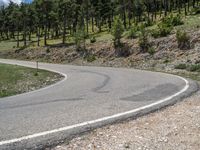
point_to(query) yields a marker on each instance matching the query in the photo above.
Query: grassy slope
(191, 22)
(16, 79)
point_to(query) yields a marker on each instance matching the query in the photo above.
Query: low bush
(90, 58)
(183, 40)
(123, 50)
(165, 27)
(181, 66)
(144, 41)
(117, 31)
(191, 68)
(93, 39)
(151, 51)
(47, 50)
(172, 20)
(194, 68)
(155, 33)
(162, 30)
(148, 23)
(166, 61)
(195, 11)
(132, 33)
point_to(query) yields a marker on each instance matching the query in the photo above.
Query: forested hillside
(79, 19)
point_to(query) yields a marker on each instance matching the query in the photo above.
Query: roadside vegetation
(66, 22)
(141, 33)
(16, 79)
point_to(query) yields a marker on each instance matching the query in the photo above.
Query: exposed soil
(166, 56)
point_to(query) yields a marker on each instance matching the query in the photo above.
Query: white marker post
(37, 66)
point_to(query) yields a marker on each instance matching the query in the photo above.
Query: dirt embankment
(166, 54)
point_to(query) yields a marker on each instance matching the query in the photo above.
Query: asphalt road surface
(33, 119)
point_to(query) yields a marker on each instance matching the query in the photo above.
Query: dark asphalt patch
(154, 93)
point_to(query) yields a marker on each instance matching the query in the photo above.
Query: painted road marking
(97, 120)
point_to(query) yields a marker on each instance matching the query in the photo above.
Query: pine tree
(117, 31)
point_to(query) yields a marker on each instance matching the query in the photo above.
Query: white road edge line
(97, 120)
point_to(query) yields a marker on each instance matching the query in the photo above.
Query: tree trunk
(18, 38)
(64, 29)
(38, 36)
(92, 24)
(25, 37)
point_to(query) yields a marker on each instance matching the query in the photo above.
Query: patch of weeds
(162, 30)
(165, 27)
(166, 61)
(195, 11)
(183, 40)
(132, 33)
(36, 74)
(144, 41)
(93, 39)
(90, 58)
(181, 66)
(190, 68)
(151, 51)
(122, 50)
(149, 22)
(194, 68)
(4, 93)
(172, 20)
(48, 50)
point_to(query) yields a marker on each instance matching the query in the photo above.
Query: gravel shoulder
(176, 127)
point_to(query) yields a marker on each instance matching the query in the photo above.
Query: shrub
(164, 29)
(148, 22)
(155, 33)
(90, 58)
(47, 50)
(132, 33)
(172, 20)
(166, 61)
(194, 68)
(151, 51)
(36, 74)
(93, 39)
(176, 20)
(181, 66)
(195, 11)
(144, 41)
(183, 40)
(117, 31)
(123, 50)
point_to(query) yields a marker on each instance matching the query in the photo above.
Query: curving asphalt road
(88, 97)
